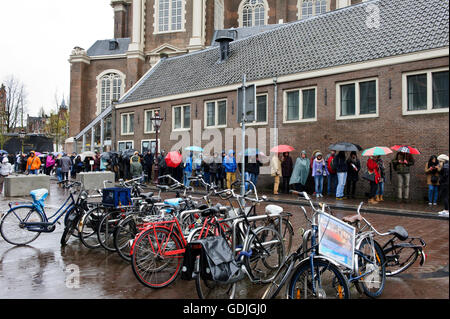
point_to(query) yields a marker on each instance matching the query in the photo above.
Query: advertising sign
(336, 240)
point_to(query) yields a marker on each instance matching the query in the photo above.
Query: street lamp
(22, 135)
(156, 121)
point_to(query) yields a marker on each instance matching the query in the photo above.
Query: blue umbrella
(251, 152)
(3, 152)
(194, 149)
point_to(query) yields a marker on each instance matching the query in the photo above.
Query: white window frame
(219, 14)
(182, 118)
(429, 109)
(121, 123)
(216, 114)
(99, 87)
(146, 112)
(150, 141)
(241, 13)
(254, 123)
(285, 101)
(357, 100)
(300, 8)
(156, 18)
(125, 141)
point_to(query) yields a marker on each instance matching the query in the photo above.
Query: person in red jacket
(332, 177)
(372, 168)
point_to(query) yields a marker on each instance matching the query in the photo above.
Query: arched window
(309, 8)
(219, 14)
(111, 85)
(253, 13)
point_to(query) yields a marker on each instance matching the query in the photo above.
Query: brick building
(146, 30)
(374, 73)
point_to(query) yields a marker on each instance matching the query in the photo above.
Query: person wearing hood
(188, 169)
(135, 166)
(49, 164)
(5, 169)
(319, 170)
(229, 163)
(33, 163)
(300, 172)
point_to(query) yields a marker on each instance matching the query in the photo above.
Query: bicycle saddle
(399, 232)
(210, 211)
(147, 195)
(352, 219)
(274, 209)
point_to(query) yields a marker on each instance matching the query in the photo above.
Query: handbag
(369, 176)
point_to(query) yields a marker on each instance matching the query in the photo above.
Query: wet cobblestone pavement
(45, 270)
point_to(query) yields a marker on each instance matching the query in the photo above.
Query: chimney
(224, 40)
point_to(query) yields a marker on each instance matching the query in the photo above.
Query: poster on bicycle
(336, 240)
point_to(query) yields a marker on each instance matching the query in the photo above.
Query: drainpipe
(275, 107)
(113, 126)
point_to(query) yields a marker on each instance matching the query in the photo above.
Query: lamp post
(22, 135)
(156, 121)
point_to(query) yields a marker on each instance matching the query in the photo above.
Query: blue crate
(116, 197)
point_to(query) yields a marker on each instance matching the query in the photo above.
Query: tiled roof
(336, 38)
(101, 47)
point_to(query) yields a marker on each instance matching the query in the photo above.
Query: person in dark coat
(353, 168)
(340, 164)
(148, 164)
(287, 167)
(253, 169)
(214, 169)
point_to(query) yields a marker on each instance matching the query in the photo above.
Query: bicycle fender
(423, 257)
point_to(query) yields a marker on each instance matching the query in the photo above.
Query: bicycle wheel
(105, 231)
(68, 231)
(157, 257)
(266, 254)
(282, 276)
(208, 289)
(124, 235)
(12, 228)
(89, 226)
(372, 263)
(329, 281)
(400, 257)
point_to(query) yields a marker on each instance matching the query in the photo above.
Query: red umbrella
(282, 149)
(405, 149)
(173, 159)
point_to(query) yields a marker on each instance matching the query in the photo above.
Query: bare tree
(15, 108)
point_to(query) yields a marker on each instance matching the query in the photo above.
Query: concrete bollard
(22, 185)
(94, 180)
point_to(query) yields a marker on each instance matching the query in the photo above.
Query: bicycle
(400, 251)
(259, 251)
(24, 222)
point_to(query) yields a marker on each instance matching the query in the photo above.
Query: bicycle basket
(116, 196)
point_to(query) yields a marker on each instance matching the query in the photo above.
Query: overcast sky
(37, 38)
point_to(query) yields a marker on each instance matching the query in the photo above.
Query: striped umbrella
(377, 150)
(405, 149)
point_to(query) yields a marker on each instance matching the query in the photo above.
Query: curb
(346, 207)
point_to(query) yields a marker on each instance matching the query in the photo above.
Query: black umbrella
(108, 155)
(128, 153)
(344, 146)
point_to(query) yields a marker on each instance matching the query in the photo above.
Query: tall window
(300, 105)
(111, 88)
(309, 8)
(357, 99)
(149, 114)
(169, 15)
(426, 91)
(219, 14)
(253, 13)
(216, 113)
(181, 117)
(127, 124)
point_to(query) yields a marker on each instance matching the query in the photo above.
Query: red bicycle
(157, 252)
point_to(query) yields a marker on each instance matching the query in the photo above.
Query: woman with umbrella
(401, 164)
(373, 170)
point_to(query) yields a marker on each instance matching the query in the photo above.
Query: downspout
(275, 113)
